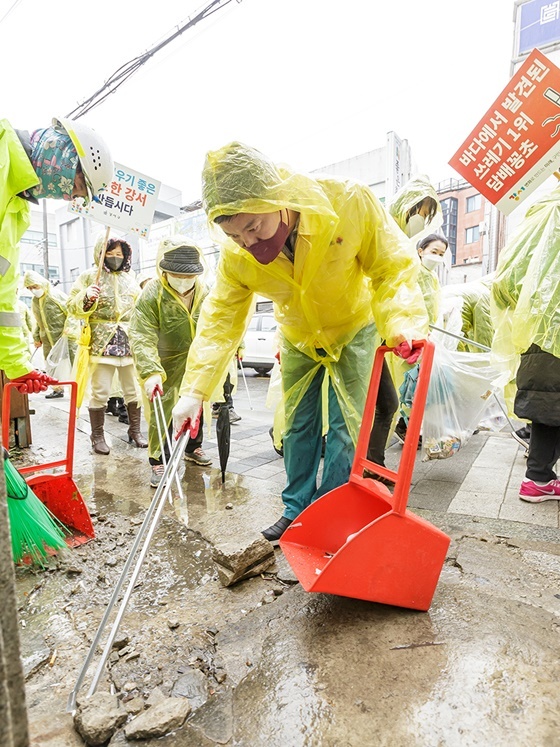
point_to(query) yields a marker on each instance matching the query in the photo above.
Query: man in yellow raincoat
(162, 327)
(308, 244)
(64, 161)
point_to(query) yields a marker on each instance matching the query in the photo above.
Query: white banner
(128, 204)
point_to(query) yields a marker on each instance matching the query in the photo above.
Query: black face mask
(114, 263)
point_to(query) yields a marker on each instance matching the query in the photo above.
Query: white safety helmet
(95, 157)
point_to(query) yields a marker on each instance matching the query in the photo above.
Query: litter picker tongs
(162, 436)
(147, 528)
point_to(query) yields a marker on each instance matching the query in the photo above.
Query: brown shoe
(97, 420)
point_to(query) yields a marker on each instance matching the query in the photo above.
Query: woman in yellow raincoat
(417, 212)
(108, 306)
(525, 306)
(431, 250)
(162, 327)
(308, 244)
(50, 312)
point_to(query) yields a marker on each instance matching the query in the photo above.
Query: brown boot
(97, 419)
(134, 434)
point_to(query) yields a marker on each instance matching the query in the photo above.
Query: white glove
(186, 415)
(152, 385)
(93, 292)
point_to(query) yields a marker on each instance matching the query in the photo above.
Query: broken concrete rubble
(237, 561)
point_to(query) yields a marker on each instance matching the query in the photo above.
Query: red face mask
(266, 250)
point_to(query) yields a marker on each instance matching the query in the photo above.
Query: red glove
(33, 382)
(409, 353)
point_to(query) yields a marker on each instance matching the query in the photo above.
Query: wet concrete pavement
(280, 666)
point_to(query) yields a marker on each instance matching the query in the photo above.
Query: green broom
(33, 527)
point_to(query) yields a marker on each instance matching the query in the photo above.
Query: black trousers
(192, 444)
(544, 452)
(385, 409)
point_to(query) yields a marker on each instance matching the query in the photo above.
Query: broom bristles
(33, 528)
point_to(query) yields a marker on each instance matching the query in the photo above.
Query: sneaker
(54, 395)
(233, 416)
(273, 533)
(198, 457)
(525, 433)
(537, 492)
(521, 439)
(400, 430)
(157, 474)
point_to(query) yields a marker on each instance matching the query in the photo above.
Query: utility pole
(45, 240)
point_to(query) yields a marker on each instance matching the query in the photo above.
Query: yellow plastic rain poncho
(113, 309)
(406, 201)
(16, 176)
(431, 291)
(50, 313)
(26, 321)
(160, 334)
(322, 301)
(525, 302)
(475, 311)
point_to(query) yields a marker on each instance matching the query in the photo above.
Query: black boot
(123, 412)
(112, 406)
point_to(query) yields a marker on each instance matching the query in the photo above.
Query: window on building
(449, 208)
(36, 237)
(472, 234)
(75, 273)
(40, 269)
(474, 203)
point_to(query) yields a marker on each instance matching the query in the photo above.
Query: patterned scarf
(55, 161)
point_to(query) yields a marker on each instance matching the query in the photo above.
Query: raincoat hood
(55, 160)
(240, 179)
(126, 250)
(413, 192)
(33, 278)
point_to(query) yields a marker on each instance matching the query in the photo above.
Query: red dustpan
(360, 541)
(57, 491)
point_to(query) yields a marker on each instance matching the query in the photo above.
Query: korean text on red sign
(515, 146)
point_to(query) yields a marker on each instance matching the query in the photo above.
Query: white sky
(308, 82)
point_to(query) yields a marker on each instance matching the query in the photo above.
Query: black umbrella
(223, 430)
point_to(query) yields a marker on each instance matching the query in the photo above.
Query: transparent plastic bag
(461, 386)
(58, 363)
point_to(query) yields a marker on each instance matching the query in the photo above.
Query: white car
(260, 344)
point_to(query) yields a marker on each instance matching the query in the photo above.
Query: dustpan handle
(406, 466)
(67, 463)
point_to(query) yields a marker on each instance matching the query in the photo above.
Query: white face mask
(431, 261)
(181, 285)
(415, 224)
(38, 292)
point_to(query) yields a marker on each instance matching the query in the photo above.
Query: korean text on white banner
(128, 204)
(515, 146)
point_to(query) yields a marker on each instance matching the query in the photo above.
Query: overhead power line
(124, 72)
(13, 6)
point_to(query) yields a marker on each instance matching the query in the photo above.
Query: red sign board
(516, 145)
